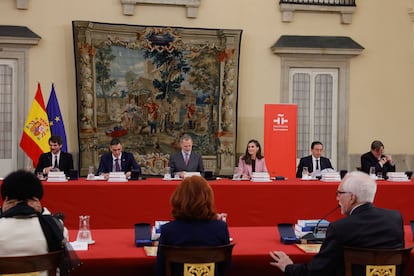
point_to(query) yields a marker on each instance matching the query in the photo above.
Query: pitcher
(84, 234)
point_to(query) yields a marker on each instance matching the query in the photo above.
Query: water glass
(305, 172)
(236, 173)
(40, 175)
(167, 173)
(91, 170)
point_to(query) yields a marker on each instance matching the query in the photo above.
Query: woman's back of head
(193, 200)
(21, 185)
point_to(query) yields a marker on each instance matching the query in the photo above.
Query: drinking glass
(167, 173)
(380, 175)
(372, 171)
(91, 173)
(91, 170)
(236, 173)
(40, 175)
(305, 172)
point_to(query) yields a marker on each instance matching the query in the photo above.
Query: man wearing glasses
(364, 226)
(375, 158)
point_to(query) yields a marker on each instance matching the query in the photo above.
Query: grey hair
(361, 185)
(185, 137)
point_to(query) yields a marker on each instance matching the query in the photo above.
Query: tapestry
(149, 85)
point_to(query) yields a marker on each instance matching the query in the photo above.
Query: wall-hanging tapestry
(148, 85)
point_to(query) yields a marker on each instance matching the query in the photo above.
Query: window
(8, 115)
(14, 55)
(315, 91)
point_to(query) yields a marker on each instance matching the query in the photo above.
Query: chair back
(23, 264)
(198, 260)
(377, 262)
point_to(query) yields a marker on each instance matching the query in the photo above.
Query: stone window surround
(318, 58)
(17, 48)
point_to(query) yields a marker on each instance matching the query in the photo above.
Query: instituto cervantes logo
(280, 123)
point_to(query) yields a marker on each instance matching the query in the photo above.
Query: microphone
(313, 237)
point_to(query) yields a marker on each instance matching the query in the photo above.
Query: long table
(114, 253)
(120, 205)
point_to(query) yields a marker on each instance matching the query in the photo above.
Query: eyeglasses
(341, 192)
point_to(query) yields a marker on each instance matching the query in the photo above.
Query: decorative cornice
(191, 5)
(22, 4)
(288, 10)
(18, 35)
(411, 14)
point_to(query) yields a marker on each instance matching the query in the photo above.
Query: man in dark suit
(186, 160)
(314, 162)
(365, 226)
(56, 159)
(117, 160)
(375, 158)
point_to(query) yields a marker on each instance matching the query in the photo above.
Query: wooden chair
(378, 262)
(23, 264)
(198, 260)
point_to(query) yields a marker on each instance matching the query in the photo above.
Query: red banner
(280, 139)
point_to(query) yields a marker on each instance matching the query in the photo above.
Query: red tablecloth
(115, 253)
(120, 205)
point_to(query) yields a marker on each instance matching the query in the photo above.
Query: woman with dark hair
(196, 221)
(27, 228)
(252, 161)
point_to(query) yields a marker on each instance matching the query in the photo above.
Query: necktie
(117, 167)
(317, 164)
(186, 159)
(56, 162)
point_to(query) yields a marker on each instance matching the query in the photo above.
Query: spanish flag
(36, 130)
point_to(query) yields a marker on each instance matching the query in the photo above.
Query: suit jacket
(191, 233)
(324, 163)
(195, 163)
(128, 163)
(368, 160)
(65, 162)
(367, 226)
(246, 169)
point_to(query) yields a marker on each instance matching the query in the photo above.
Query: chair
(198, 260)
(378, 262)
(24, 264)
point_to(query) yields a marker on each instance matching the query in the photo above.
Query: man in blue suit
(314, 162)
(118, 160)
